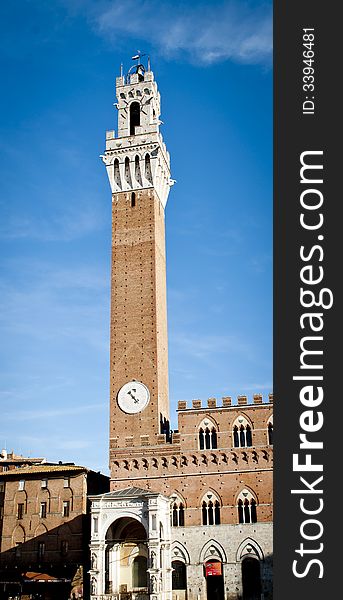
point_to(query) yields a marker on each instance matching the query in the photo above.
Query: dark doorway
(215, 582)
(251, 579)
(179, 578)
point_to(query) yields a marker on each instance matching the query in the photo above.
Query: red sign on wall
(213, 568)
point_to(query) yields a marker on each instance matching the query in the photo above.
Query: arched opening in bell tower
(126, 557)
(135, 117)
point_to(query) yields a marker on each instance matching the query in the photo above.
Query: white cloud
(203, 34)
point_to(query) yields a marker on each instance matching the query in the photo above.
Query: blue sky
(59, 60)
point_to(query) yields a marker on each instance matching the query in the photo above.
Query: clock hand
(133, 397)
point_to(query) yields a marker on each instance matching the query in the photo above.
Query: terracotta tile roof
(44, 469)
(21, 459)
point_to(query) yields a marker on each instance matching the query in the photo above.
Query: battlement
(226, 402)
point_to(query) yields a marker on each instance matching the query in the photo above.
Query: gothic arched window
(242, 433)
(246, 507)
(210, 509)
(135, 117)
(178, 513)
(207, 436)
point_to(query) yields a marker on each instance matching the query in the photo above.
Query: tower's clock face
(133, 397)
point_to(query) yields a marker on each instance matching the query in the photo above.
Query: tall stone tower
(189, 515)
(137, 164)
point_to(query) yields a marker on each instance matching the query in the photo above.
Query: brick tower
(137, 164)
(189, 514)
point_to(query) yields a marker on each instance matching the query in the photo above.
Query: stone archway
(126, 557)
(130, 545)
